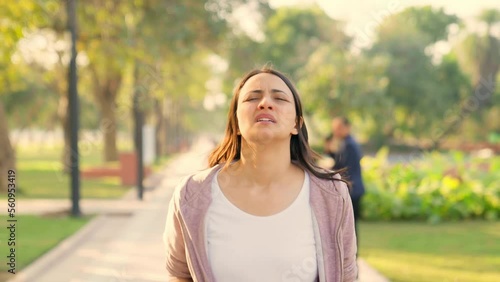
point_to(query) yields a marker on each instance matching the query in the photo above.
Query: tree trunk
(169, 119)
(106, 88)
(7, 154)
(105, 92)
(485, 84)
(179, 136)
(161, 128)
(173, 128)
(108, 127)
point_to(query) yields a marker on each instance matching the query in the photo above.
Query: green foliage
(337, 84)
(291, 36)
(14, 25)
(479, 55)
(23, 107)
(396, 90)
(431, 21)
(15, 21)
(435, 187)
(490, 16)
(415, 81)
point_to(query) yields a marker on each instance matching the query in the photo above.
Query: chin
(267, 138)
(262, 139)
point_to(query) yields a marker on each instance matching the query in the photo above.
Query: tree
(102, 36)
(188, 32)
(146, 33)
(414, 80)
(47, 83)
(480, 56)
(291, 35)
(12, 25)
(341, 84)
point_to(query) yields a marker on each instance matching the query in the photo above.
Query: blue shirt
(349, 157)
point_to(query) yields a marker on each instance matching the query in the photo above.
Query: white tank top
(247, 248)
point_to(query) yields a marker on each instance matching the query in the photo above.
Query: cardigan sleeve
(176, 261)
(349, 242)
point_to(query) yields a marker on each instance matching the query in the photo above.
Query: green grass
(458, 251)
(39, 175)
(35, 236)
(161, 162)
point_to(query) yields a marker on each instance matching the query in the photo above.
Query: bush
(435, 187)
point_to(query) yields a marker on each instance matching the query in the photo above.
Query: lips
(265, 118)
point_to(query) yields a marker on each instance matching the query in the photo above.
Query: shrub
(434, 187)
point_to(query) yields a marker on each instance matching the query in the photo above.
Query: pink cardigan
(333, 222)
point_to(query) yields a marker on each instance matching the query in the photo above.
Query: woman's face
(266, 109)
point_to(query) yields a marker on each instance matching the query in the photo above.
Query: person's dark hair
(301, 153)
(345, 121)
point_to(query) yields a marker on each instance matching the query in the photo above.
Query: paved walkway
(123, 243)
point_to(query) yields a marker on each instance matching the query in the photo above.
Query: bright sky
(360, 11)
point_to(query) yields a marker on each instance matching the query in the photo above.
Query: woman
(263, 211)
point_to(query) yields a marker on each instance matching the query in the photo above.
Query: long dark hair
(300, 151)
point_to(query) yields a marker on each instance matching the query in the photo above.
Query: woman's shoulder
(192, 184)
(335, 185)
(340, 186)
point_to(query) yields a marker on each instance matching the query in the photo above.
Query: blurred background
(417, 79)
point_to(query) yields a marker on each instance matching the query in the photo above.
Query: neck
(264, 164)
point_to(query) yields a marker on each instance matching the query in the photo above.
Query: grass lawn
(409, 251)
(35, 236)
(160, 162)
(39, 174)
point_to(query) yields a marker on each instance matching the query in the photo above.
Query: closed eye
(281, 98)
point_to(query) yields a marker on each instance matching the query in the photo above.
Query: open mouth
(265, 120)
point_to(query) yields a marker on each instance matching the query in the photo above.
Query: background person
(346, 152)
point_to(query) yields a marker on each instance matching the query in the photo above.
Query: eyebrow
(261, 91)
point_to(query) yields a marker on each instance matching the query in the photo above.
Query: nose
(265, 103)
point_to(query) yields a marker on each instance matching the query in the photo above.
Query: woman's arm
(349, 241)
(176, 261)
